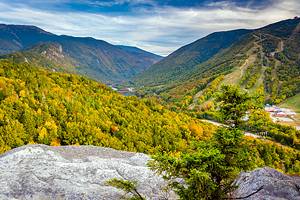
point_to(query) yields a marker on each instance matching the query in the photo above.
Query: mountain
(18, 37)
(147, 56)
(54, 108)
(48, 55)
(267, 57)
(40, 106)
(95, 58)
(184, 59)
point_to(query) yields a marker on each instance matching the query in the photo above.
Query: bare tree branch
(259, 189)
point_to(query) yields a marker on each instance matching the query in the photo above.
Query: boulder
(269, 185)
(75, 172)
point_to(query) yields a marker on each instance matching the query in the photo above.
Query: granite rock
(275, 185)
(75, 172)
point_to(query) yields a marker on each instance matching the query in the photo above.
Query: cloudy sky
(159, 26)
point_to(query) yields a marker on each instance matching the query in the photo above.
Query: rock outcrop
(81, 172)
(270, 184)
(73, 172)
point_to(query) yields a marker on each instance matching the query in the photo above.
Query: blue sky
(157, 26)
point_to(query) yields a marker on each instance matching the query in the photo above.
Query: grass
(234, 78)
(293, 103)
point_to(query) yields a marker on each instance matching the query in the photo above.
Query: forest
(38, 106)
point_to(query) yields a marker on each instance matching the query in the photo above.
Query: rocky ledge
(73, 172)
(81, 172)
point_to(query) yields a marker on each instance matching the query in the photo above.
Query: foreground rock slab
(73, 172)
(81, 172)
(273, 184)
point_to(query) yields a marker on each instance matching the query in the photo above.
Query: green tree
(209, 170)
(233, 103)
(126, 186)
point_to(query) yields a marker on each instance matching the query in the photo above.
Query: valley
(84, 118)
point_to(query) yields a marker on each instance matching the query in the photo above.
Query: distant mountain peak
(96, 58)
(266, 57)
(25, 27)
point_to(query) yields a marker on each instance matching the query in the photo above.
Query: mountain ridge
(97, 58)
(270, 56)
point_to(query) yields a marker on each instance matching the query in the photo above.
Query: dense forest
(55, 108)
(38, 106)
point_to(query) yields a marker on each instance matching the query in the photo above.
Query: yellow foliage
(22, 84)
(4, 148)
(55, 142)
(182, 144)
(43, 133)
(31, 142)
(1, 114)
(197, 131)
(114, 128)
(22, 93)
(176, 154)
(68, 96)
(2, 84)
(51, 125)
(12, 98)
(57, 90)
(39, 111)
(83, 111)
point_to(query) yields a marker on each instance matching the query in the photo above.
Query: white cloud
(161, 30)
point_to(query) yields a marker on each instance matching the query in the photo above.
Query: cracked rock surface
(276, 186)
(74, 172)
(81, 172)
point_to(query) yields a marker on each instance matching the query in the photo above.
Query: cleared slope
(183, 60)
(266, 57)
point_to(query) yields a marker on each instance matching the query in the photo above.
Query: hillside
(293, 103)
(183, 60)
(148, 56)
(267, 57)
(38, 106)
(48, 55)
(95, 58)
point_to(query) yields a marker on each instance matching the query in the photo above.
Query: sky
(158, 26)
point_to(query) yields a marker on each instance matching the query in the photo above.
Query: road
(224, 125)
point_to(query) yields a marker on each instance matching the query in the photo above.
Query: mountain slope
(267, 57)
(18, 37)
(186, 58)
(38, 106)
(147, 56)
(48, 55)
(95, 58)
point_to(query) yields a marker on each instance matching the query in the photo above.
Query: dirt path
(280, 46)
(224, 125)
